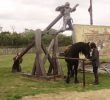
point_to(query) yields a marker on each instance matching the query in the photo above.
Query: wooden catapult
(38, 67)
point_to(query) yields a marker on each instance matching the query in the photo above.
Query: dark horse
(73, 51)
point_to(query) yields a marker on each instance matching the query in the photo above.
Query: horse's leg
(75, 69)
(68, 73)
(72, 71)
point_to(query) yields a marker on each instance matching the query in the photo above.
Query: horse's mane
(75, 49)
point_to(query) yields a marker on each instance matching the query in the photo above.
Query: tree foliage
(8, 39)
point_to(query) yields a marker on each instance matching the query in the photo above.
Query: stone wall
(98, 34)
(82, 30)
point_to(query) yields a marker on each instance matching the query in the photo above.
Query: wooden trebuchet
(16, 65)
(45, 30)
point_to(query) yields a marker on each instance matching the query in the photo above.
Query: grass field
(14, 86)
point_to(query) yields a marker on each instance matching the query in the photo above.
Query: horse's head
(86, 50)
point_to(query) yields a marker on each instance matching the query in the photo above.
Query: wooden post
(38, 68)
(57, 68)
(73, 35)
(49, 50)
(91, 13)
(60, 70)
(34, 68)
(48, 56)
(83, 73)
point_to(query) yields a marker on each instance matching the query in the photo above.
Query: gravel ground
(89, 95)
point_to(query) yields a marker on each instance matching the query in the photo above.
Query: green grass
(14, 86)
(105, 58)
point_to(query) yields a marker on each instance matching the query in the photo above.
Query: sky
(34, 14)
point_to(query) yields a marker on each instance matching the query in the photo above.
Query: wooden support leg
(40, 71)
(38, 68)
(34, 68)
(57, 68)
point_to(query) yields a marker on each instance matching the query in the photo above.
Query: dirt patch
(90, 95)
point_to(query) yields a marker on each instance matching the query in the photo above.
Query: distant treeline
(8, 39)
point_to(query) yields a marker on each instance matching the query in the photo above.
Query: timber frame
(39, 62)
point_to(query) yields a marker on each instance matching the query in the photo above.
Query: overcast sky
(33, 14)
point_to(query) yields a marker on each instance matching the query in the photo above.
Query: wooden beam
(39, 70)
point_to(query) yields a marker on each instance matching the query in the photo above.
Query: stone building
(90, 33)
(95, 33)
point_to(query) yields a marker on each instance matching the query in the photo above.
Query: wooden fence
(6, 51)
